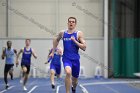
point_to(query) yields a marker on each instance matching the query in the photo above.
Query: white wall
(94, 50)
(2, 19)
(26, 17)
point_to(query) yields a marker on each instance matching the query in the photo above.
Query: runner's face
(27, 42)
(71, 24)
(9, 44)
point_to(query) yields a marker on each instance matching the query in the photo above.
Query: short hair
(73, 18)
(28, 39)
(9, 42)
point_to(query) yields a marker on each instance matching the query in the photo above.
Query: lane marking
(6, 89)
(114, 90)
(58, 87)
(116, 82)
(84, 90)
(32, 89)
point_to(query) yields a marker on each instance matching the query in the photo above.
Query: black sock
(73, 89)
(53, 86)
(11, 77)
(5, 80)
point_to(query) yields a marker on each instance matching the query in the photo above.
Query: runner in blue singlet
(55, 65)
(27, 52)
(72, 41)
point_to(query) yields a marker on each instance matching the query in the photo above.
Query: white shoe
(24, 88)
(7, 85)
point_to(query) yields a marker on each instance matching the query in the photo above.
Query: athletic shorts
(8, 67)
(27, 66)
(74, 64)
(56, 68)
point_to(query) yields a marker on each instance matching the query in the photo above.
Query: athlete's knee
(68, 71)
(52, 72)
(24, 69)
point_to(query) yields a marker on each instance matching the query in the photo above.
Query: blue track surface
(43, 85)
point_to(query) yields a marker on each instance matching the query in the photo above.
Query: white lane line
(116, 82)
(32, 89)
(114, 90)
(84, 90)
(58, 87)
(6, 89)
(32, 83)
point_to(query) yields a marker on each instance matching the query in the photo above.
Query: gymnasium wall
(2, 19)
(37, 18)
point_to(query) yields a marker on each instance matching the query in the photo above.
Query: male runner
(8, 53)
(72, 41)
(27, 52)
(55, 65)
